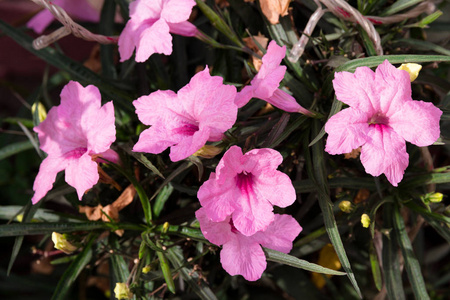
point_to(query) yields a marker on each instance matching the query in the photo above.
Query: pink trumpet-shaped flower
(150, 25)
(81, 10)
(265, 84)
(74, 135)
(246, 186)
(241, 254)
(201, 111)
(381, 117)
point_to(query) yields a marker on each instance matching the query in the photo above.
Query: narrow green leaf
(430, 19)
(165, 268)
(421, 180)
(287, 131)
(336, 107)
(411, 263)
(375, 266)
(13, 149)
(47, 228)
(143, 160)
(119, 267)
(391, 264)
(7, 212)
(192, 278)
(283, 258)
(161, 199)
(399, 6)
(320, 175)
(423, 45)
(172, 175)
(28, 214)
(106, 27)
(368, 43)
(72, 272)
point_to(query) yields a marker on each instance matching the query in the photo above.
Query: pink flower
(81, 10)
(265, 84)
(150, 26)
(201, 111)
(241, 254)
(381, 116)
(73, 135)
(245, 187)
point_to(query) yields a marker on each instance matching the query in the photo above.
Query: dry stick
(70, 27)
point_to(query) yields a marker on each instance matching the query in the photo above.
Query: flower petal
(243, 256)
(176, 11)
(188, 145)
(41, 21)
(230, 165)
(285, 102)
(126, 40)
(347, 130)
(154, 140)
(183, 28)
(156, 107)
(46, 176)
(82, 174)
(417, 122)
(218, 200)
(276, 187)
(152, 38)
(99, 128)
(384, 152)
(217, 233)
(280, 234)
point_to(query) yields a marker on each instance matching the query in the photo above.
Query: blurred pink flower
(74, 134)
(201, 111)
(150, 25)
(265, 84)
(81, 10)
(241, 254)
(245, 187)
(381, 116)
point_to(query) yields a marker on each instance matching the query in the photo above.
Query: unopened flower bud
(365, 220)
(165, 227)
(122, 291)
(42, 113)
(146, 269)
(412, 69)
(61, 243)
(346, 206)
(436, 197)
(208, 151)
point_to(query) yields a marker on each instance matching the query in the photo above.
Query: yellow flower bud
(42, 113)
(436, 197)
(19, 218)
(165, 227)
(122, 291)
(412, 69)
(346, 206)
(146, 269)
(61, 243)
(208, 151)
(365, 220)
(328, 259)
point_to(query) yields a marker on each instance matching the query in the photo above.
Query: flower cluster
(237, 210)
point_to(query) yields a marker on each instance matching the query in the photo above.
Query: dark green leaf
(13, 149)
(47, 228)
(161, 199)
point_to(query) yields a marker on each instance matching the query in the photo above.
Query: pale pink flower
(381, 116)
(201, 111)
(246, 186)
(80, 10)
(265, 84)
(241, 254)
(74, 134)
(150, 25)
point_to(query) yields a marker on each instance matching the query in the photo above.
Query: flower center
(76, 153)
(244, 182)
(378, 119)
(186, 129)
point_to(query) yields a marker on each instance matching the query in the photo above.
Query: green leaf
(13, 149)
(106, 27)
(375, 266)
(411, 263)
(192, 278)
(161, 199)
(399, 6)
(47, 228)
(72, 272)
(422, 45)
(7, 212)
(283, 258)
(319, 174)
(165, 268)
(286, 132)
(119, 267)
(391, 264)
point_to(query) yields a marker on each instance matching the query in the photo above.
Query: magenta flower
(201, 111)
(81, 10)
(241, 254)
(381, 117)
(265, 84)
(245, 187)
(150, 25)
(74, 135)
